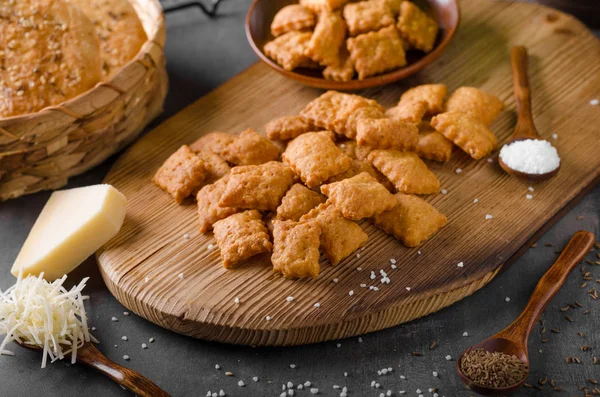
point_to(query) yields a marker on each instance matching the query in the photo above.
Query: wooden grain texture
(141, 265)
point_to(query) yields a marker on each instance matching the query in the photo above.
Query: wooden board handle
(519, 62)
(579, 245)
(133, 381)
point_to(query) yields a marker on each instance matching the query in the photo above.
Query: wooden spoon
(513, 339)
(89, 355)
(525, 128)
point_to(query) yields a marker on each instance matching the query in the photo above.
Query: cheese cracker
(338, 112)
(180, 174)
(315, 158)
(359, 166)
(359, 197)
(209, 210)
(215, 142)
(250, 148)
(327, 39)
(432, 94)
(387, 134)
(296, 249)
(214, 166)
(433, 145)
(258, 187)
(377, 52)
(406, 171)
(476, 103)
(469, 134)
(297, 202)
(367, 16)
(317, 6)
(343, 71)
(412, 220)
(287, 127)
(288, 49)
(293, 17)
(240, 237)
(351, 149)
(417, 27)
(411, 112)
(340, 237)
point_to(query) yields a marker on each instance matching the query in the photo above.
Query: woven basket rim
(158, 39)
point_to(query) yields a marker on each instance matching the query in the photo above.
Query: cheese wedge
(72, 226)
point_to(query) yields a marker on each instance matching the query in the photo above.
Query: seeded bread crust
(49, 53)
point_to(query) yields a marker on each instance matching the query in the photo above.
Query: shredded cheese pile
(38, 313)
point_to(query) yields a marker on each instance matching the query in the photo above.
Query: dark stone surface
(202, 53)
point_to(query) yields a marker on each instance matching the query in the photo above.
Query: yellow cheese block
(72, 226)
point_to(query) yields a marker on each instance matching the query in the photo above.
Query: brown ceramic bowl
(258, 32)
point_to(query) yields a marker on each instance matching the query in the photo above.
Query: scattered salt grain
(146, 279)
(93, 328)
(360, 339)
(529, 197)
(359, 269)
(475, 200)
(363, 286)
(345, 375)
(408, 288)
(531, 156)
(448, 357)
(290, 392)
(144, 346)
(373, 276)
(126, 313)
(114, 319)
(402, 392)
(268, 318)
(180, 276)
(236, 300)
(530, 188)
(458, 170)
(444, 191)
(317, 305)
(490, 160)
(292, 366)
(126, 357)
(554, 136)
(210, 247)
(255, 378)
(357, 255)
(314, 390)
(394, 267)
(335, 280)
(351, 293)
(300, 387)
(419, 252)
(419, 391)
(307, 383)
(186, 236)
(289, 298)
(489, 216)
(507, 299)
(241, 383)
(221, 393)
(124, 337)
(594, 102)
(460, 264)
(465, 333)
(151, 340)
(402, 377)
(336, 387)
(393, 261)
(339, 345)
(290, 385)
(217, 366)
(435, 374)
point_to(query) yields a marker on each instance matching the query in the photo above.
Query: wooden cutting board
(141, 266)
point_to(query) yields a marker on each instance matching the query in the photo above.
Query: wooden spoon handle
(138, 384)
(525, 127)
(579, 245)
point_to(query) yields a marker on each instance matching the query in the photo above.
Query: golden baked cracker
(476, 103)
(351, 149)
(367, 16)
(359, 166)
(433, 145)
(370, 113)
(315, 158)
(327, 39)
(393, 5)
(359, 197)
(250, 148)
(288, 49)
(297, 202)
(258, 187)
(287, 127)
(340, 237)
(376, 52)
(333, 111)
(412, 220)
(215, 167)
(241, 236)
(292, 17)
(120, 31)
(215, 142)
(417, 27)
(387, 134)
(49, 53)
(406, 171)
(180, 174)
(343, 71)
(411, 112)
(317, 6)
(432, 94)
(469, 134)
(209, 210)
(296, 249)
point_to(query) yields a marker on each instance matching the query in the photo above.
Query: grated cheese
(44, 314)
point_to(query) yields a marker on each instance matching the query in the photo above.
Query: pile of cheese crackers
(343, 159)
(367, 37)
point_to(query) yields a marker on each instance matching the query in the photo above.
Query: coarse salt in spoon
(526, 155)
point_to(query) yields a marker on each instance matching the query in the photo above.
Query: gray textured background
(203, 53)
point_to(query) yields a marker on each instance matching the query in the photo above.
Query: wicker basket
(40, 151)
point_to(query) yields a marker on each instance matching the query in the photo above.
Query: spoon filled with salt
(499, 365)
(526, 155)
